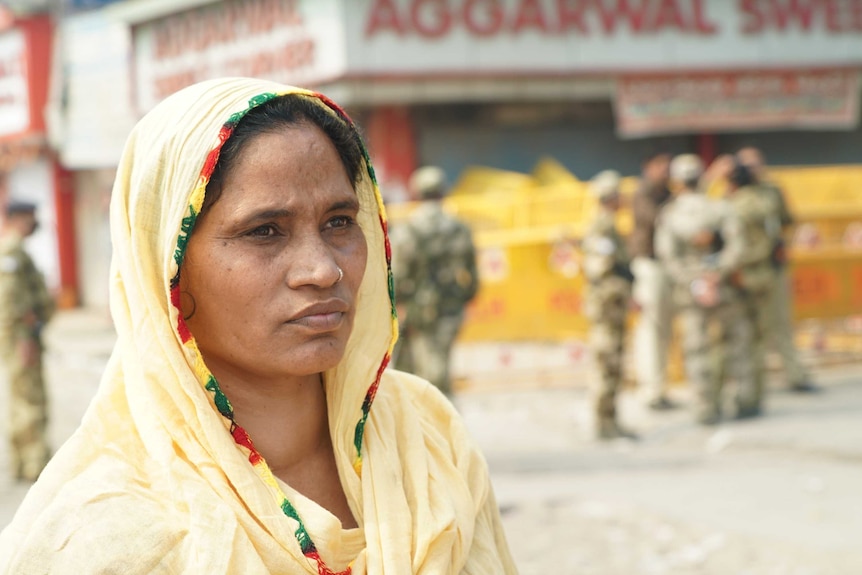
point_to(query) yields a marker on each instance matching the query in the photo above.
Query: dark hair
(15, 207)
(691, 183)
(290, 110)
(654, 154)
(740, 175)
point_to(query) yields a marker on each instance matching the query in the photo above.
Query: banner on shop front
(295, 42)
(648, 105)
(14, 94)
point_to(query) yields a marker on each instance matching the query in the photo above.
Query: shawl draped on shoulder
(159, 479)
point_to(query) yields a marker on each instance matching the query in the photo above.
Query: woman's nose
(312, 262)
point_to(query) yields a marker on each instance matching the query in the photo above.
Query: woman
(234, 431)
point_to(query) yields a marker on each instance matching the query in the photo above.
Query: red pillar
(707, 147)
(392, 143)
(64, 205)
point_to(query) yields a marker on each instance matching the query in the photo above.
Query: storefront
(28, 168)
(503, 83)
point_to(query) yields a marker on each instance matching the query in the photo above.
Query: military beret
(686, 167)
(605, 184)
(428, 182)
(20, 207)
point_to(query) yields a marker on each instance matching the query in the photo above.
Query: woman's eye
(340, 221)
(264, 231)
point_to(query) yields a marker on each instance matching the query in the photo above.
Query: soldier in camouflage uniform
(606, 304)
(779, 324)
(750, 256)
(434, 265)
(697, 242)
(25, 306)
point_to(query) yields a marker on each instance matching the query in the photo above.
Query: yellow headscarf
(159, 479)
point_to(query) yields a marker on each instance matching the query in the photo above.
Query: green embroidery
(186, 228)
(220, 399)
(302, 536)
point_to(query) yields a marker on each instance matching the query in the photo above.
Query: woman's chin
(314, 358)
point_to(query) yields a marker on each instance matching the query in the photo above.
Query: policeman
(434, 266)
(606, 304)
(689, 241)
(25, 307)
(779, 324)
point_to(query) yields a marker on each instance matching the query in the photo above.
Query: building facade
(593, 83)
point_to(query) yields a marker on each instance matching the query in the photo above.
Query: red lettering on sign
(668, 16)
(530, 15)
(610, 17)
(289, 58)
(836, 16)
(384, 16)
(492, 21)
(571, 16)
(856, 16)
(753, 19)
(198, 30)
(483, 18)
(701, 23)
(799, 11)
(439, 22)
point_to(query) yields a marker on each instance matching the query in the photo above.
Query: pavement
(780, 495)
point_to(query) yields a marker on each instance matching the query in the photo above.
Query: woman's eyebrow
(272, 214)
(352, 204)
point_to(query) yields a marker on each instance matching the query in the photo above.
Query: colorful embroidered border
(203, 374)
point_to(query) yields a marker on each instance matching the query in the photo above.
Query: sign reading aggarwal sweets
(437, 18)
(600, 35)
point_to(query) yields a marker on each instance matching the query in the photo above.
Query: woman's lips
(320, 321)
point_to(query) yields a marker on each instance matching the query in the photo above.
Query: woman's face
(262, 264)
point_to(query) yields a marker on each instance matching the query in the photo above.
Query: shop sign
(14, 97)
(647, 105)
(289, 41)
(536, 36)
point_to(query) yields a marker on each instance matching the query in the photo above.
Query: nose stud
(340, 274)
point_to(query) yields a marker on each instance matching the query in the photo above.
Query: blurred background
(520, 102)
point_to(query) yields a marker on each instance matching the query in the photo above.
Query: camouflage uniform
(25, 306)
(779, 324)
(687, 243)
(606, 304)
(750, 255)
(434, 264)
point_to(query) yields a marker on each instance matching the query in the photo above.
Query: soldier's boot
(708, 415)
(608, 427)
(805, 386)
(749, 399)
(709, 401)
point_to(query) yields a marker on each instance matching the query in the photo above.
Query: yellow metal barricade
(527, 229)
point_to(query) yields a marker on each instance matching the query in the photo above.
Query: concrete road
(779, 495)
